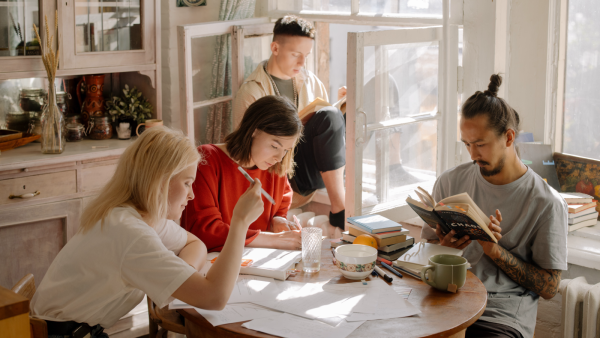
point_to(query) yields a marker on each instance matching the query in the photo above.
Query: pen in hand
(267, 196)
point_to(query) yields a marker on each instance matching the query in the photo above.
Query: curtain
(219, 115)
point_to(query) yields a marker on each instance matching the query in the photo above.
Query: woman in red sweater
(264, 146)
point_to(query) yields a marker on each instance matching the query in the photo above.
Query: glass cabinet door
(19, 46)
(100, 33)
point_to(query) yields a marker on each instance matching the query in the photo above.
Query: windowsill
(584, 247)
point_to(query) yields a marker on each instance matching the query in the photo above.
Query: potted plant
(131, 107)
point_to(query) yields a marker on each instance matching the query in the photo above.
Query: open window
(401, 74)
(211, 81)
(400, 87)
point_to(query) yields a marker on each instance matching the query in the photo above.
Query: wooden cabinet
(95, 38)
(34, 230)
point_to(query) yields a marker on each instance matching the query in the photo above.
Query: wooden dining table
(443, 314)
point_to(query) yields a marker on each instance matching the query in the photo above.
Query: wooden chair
(164, 320)
(26, 288)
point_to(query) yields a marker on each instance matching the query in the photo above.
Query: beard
(494, 171)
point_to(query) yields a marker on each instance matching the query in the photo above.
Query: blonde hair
(142, 177)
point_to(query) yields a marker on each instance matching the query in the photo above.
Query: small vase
(53, 126)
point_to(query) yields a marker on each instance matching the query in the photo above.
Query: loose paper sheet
(309, 300)
(389, 305)
(233, 313)
(289, 326)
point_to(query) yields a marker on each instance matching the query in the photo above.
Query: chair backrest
(25, 287)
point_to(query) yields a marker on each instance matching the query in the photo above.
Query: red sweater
(218, 187)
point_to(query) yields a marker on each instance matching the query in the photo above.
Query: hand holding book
(449, 240)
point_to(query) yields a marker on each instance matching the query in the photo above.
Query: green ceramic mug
(444, 270)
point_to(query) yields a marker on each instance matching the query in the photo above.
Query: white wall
(528, 49)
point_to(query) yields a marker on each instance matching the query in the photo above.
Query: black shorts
(323, 148)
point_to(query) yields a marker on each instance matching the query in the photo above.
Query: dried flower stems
(52, 130)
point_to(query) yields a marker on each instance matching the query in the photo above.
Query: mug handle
(138, 127)
(424, 274)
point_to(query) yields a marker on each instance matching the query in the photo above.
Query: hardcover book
(458, 213)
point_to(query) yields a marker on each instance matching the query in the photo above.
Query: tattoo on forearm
(541, 281)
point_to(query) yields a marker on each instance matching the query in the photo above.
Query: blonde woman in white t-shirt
(128, 245)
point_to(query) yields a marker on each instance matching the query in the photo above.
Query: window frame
(357, 128)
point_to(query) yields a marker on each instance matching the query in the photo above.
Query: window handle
(363, 138)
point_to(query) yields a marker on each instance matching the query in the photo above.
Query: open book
(271, 263)
(307, 112)
(458, 213)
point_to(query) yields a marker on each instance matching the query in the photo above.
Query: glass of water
(311, 249)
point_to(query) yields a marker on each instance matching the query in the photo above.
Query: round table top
(442, 313)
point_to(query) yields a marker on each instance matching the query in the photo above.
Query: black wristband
(338, 219)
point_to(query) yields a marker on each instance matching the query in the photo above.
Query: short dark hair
(274, 115)
(291, 25)
(501, 117)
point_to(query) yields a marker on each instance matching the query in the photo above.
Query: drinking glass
(311, 249)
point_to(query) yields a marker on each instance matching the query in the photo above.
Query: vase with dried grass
(53, 122)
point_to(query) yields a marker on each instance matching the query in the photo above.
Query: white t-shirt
(101, 275)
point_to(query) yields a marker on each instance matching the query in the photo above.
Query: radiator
(580, 304)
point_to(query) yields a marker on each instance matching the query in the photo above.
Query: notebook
(271, 263)
(374, 224)
(418, 256)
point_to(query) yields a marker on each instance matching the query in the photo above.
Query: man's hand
(449, 240)
(342, 92)
(490, 248)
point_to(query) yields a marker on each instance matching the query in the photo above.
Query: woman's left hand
(280, 224)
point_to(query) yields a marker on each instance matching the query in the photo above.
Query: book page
(466, 199)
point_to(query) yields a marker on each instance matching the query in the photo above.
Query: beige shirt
(101, 275)
(258, 85)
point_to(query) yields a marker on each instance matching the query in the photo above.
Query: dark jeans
(483, 329)
(322, 148)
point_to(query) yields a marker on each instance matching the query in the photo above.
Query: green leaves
(131, 105)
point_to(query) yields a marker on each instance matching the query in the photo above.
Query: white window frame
(356, 127)
(185, 34)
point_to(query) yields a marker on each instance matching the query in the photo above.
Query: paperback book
(458, 213)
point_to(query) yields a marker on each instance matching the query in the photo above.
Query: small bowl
(355, 261)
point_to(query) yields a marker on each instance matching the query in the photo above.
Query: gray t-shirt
(285, 87)
(534, 229)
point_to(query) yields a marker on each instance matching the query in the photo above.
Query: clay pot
(93, 104)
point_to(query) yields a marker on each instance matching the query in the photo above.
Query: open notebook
(418, 256)
(270, 263)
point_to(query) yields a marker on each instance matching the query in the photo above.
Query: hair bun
(495, 82)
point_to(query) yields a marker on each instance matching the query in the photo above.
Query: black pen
(383, 275)
(392, 269)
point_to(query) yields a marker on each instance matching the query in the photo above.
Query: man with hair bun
(531, 229)
(321, 154)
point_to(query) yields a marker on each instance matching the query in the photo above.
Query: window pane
(400, 81)
(108, 26)
(582, 105)
(208, 122)
(397, 160)
(256, 50)
(414, 7)
(315, 5)
(211, 72)
(17, 18)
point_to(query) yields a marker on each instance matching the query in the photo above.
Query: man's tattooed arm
(544, 282)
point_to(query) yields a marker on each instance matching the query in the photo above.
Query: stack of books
(582, 210)
(392, 239)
